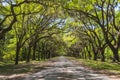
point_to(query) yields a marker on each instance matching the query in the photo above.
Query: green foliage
(82, 28)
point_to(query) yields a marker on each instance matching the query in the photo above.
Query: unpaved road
(63, 69)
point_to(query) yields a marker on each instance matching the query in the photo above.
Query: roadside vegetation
(10, 68)
(36, 30)
(108, 67)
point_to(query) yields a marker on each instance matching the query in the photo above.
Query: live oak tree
(30, 19)
(40, 29)
(105, 14)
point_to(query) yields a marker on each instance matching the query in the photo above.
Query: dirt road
(64, 69)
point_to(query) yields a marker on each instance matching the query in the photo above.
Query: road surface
(64, 69)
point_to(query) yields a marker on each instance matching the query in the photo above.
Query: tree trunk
(38, 56)
(82, 55)
(85, 55)
(89, 55)
(103, 55)
(115, 55)
(114, 50)
(95, 56)
(17, 54)
(42, 53)
(28, 55)
(49, 55)
(34, 52)
(45, 55)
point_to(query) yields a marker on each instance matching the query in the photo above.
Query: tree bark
(28, 55)
(17, 54)
(95, 56)
(34, 52)
(38, 56)
(42, 53)
(103, 55)
(89, 55)
(115, 55)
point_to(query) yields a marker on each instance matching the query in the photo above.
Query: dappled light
(63, 69)
(59, 39)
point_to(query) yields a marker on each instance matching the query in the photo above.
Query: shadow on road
(63, 69)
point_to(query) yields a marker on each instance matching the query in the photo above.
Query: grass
(103, 67)
(9, 68)
(9, 71)
(22, 67)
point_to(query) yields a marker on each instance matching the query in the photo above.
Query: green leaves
(78, 24)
